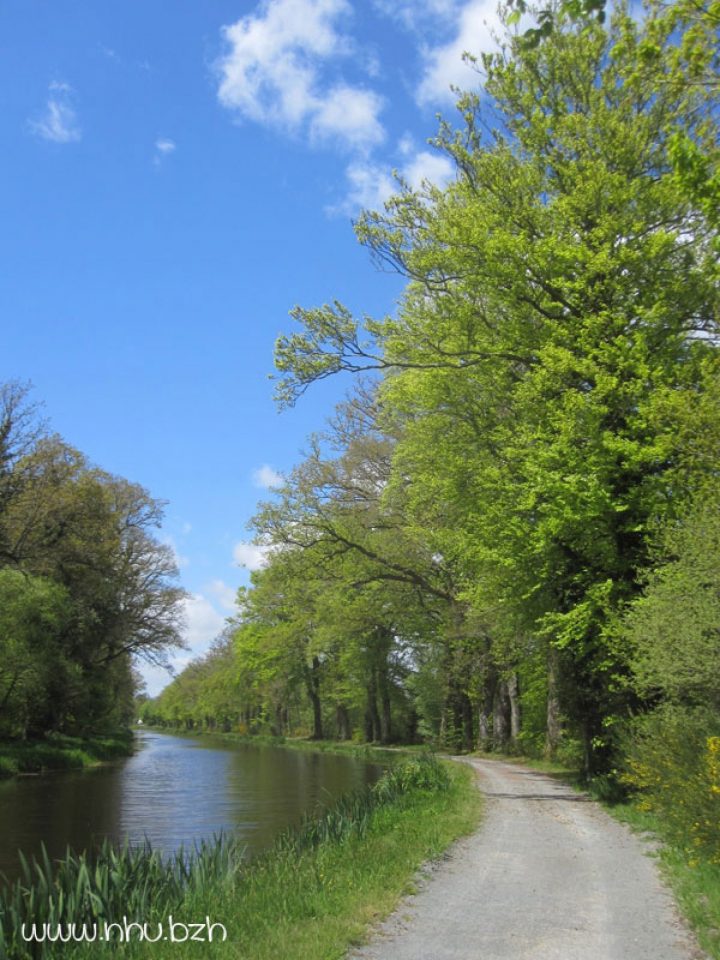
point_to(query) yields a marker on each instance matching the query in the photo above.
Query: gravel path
(549, 876)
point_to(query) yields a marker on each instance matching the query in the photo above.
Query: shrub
(673, 763)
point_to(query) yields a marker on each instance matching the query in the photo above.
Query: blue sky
(175, 178)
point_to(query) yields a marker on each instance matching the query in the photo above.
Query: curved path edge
(547, 876)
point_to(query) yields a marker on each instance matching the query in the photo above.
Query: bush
(673, 763)
(8, 767)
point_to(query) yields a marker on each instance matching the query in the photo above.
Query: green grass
(310, 898)
(61, 753)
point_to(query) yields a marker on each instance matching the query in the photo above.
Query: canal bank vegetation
(59, 752)
(85, 589)
(508, 537)
(311, 896)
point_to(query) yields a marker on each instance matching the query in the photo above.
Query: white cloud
(163, 145)
(414, 13)
(59, 121)
(155, 677)
(267, 478)
(426, 166)
(203, 623)
(406, 145)
(224, 593)
(163, 148)
(350, 114)
(371, 184)
(250, 555)
(181, 561)
(273, 73)
(444, 65)
(109, 53)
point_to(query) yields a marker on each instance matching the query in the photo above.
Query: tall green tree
(559, 291)
(74, 536)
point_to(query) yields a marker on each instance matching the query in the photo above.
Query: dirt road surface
(548, 876)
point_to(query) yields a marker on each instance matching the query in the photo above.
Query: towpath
(548, 876)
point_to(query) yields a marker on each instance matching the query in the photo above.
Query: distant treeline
(84, 585)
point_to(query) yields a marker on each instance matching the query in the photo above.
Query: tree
(34, 613)
(70, 530)
(674, 626)
(20, 430)
(559, 292)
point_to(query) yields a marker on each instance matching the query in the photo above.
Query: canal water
(173, 792)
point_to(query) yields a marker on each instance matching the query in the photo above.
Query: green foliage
(673, 762)
(674, 627)
(34, 612)
(84, 585)
(561, 298)
(111, 884)
(464, 551)
(58, 752)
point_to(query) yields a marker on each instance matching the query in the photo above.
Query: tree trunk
(442, 730)
(554, 725)
(486, 706)
(342, 722)
(467, 716)
(587, 749)
(386, 713)
(513, 688)
(314, 694)
(483, 729)
(501, 716)
(372, 717)
(279, 727)
(412, 726)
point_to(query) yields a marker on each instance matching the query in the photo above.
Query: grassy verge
(310, 898)
(694, 883)
(61, 753)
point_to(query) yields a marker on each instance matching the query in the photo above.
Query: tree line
(508, 535)
(86, 588)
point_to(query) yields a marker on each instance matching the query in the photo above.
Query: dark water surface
(174, 791)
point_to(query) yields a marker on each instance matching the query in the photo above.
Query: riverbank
(61, 753)
(311, 897)
(349, 748)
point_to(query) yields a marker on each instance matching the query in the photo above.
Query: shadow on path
(547, 797)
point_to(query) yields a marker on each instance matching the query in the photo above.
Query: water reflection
(174, 791)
